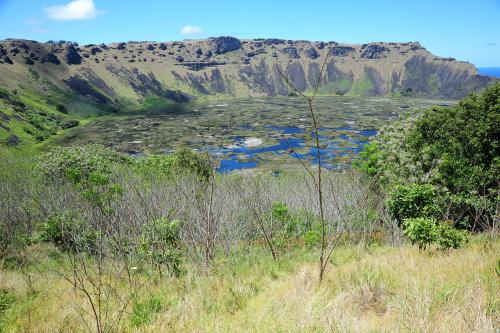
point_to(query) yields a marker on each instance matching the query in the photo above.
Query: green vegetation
(100, 241)
(442, 164)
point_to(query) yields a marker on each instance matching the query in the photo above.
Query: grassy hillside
(372, 288)
(48, 87)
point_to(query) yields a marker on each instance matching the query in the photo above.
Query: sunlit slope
(44, 85)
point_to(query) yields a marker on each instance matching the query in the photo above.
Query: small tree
(160, 245)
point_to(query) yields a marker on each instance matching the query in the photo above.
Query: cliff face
(133, 71)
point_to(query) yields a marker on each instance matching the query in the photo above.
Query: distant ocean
(490, 71)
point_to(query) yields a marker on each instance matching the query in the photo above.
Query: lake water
(271, 133)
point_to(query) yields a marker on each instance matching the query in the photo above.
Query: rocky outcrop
(374, 51)
(291, 52)
(341, 51)
(311, 53)
(72, 56)
(225, 44)
(52, 58)
(232, 67)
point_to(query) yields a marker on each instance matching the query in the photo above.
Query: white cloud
(190, 30)
(74, 10)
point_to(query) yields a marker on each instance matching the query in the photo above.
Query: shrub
(160, 245)
(312, 238)
(369, 157)
(79, 162)
(155, 164)
(143, 311)
(426, 231)
(283, 224)
(68, 233)
(184, 161)
(412, 201)
(456, 149)
(421, 231)
(450, 238)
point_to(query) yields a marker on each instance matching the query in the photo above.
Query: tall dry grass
(366, 289)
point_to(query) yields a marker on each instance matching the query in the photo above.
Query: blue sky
(466, 30)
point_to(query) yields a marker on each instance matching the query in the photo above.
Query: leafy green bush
(411, 201)
(426, 231)
(155, 164)
(142, 312)
(183, 161)
(369, 157)
(312, 238)
(455, 149)
(68, 233)
(450, 237)
(282, 223)
(160, 245)
(78, 162)
(187, 161)
(421, 231)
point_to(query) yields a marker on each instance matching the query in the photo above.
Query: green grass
(368, 288)
(362, 87)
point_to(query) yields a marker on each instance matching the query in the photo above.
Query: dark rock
(14, 51)
(374, 51)
(7, 60)
(197, 66)
(23, 45)
(28, 61)
(52, 58)
(95, 50)
(72, 56)
(312, 53)
(415, 46)
(208, 54)
(150, 47)
(341, 51)
(33, 56)
(199, 51)
(103, 46)
(256, 52)
(274, 41)
(226, 44)
(321, 45)
(162, 46)
(257, 44)
(121, 46)
(274, 55)
(179, 59)
(291, 52)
